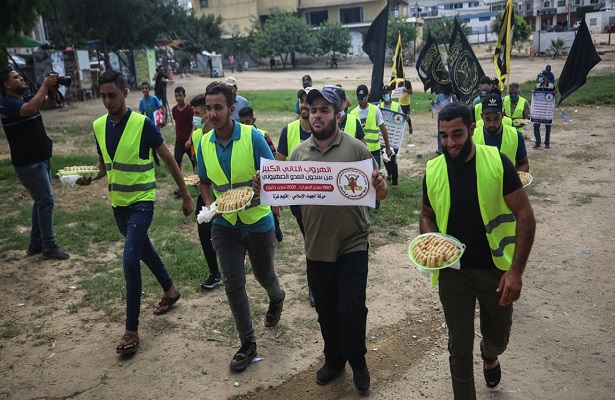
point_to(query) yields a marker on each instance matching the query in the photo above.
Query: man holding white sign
(336, 244)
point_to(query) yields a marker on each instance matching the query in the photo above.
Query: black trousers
(205, 239)
(179, 151)
(339, 291)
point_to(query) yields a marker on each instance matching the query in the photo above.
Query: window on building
(473, 4)
(593, 21)
(316, 18)
(593, 1)
(546, 4)
(351, 15)
(483, 19)
(448, 6)
(458, 5)
(577, 2)
(529, 6)
(561, 3)
(204, 3)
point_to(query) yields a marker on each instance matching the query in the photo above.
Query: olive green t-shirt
(332, 231)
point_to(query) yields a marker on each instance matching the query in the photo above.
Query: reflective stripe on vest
(130, 178)
(242, 171)
(499, 221)
(372, 138)
(350, 125)
(478, 112)
(510, 141)
(518, 113)
(293, 136)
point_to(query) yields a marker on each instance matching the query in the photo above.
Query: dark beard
(463, 154)
(329, 130)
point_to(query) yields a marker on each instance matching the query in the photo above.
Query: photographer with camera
(30, 153)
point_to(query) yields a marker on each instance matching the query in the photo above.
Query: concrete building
(239, 15)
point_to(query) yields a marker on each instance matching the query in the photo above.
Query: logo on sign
(352, 183)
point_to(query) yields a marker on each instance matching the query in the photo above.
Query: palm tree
(557, 46)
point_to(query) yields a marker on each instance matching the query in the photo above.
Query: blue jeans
(36, 178)
(376, 155)
(339, 292)
(537, 133)
(231, 245)
(133, 222)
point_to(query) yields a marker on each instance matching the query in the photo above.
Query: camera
(62, 80)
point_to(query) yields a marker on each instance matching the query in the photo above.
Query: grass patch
(581, 199)
(598, 90)
(9, 329)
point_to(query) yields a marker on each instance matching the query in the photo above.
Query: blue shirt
(260, 149)
(149, 105)
(150, 137)
(240, 102)
(496, 140)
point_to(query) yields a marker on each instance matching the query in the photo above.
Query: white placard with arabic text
(396, 127)
(286, 183)
(542, 107)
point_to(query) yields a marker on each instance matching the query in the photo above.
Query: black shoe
(275, 312)
(279, 235)
(329, 372)
(311, 296)
(211, 282)
(243, 357)
(360, 377)
(54, 254)
(536, 146)
(547, 146)
(33, 250)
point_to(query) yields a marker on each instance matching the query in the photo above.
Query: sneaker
(329, 372)
(275, 312)
(54, 254)
(32, 250)
(243, 357)
(279, 235)
(360, 377)
(211, 282)
(536, 146)
(547, 146)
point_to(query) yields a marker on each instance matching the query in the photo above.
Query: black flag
(375, 46)
(463, 66)
(581, 59)
(431, 69)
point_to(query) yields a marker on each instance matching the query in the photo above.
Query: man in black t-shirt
(30, 153)
(473, 192)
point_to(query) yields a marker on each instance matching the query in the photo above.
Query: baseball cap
(386, 89)
(337, 89)
(329, 94)
(306, 80)
(492, 104)
(362, 92)
(304, 91)
(548, 68)
(231, 81)
(495, 81)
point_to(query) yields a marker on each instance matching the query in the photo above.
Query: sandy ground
(562, 345)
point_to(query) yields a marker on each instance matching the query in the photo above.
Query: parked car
(556, 28)
(576, 25)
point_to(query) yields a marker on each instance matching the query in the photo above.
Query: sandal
(492, 376)
(166, 303)
(128, 344)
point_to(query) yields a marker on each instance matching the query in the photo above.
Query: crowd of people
(471, 191)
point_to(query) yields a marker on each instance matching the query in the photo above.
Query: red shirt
(183, 122)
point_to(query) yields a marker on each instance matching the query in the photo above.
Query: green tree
(557, 46)
(282, 35)
(441, 30)
(520, 33)
(407, 29)
(333, 38)
(18, 17)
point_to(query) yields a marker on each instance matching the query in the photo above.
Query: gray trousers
(231, 245)
(459, 290)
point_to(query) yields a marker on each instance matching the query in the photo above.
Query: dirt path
(562, 346)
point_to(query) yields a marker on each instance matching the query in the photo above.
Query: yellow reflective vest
(394, 106)
(242, 172)
(510, 141)
(293, 136)
(350, 125)
(372, 130)
(131, 179)
(499, 221)
(518, 112)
